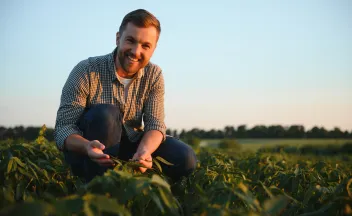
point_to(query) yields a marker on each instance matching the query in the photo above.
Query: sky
(225, 63)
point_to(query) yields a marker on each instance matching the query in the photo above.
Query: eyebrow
(144, 43)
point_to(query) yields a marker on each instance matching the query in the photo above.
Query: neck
(123, 74)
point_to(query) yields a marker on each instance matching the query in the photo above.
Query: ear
(117, 38)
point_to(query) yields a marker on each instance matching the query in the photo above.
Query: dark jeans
(103, 122)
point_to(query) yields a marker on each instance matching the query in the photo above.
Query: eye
(146, 46)
(130, 40)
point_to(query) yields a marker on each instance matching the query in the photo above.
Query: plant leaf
(156, 179)
(163, 161)
(9, 165)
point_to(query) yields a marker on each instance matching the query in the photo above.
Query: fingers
(95, 150)
(146, 163)
(142, 169)
(141, 160)
(98, 155)
(97, 144)
(144, 158)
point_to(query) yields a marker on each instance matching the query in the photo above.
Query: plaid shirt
(94, 81)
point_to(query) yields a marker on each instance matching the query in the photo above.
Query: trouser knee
(102, 122)
(181, 155)
(190, 161)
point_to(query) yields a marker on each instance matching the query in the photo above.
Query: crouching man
(106, 99)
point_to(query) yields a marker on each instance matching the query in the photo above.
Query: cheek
(124, 47)
(147, 55)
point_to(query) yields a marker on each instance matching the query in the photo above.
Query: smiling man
(113, 105)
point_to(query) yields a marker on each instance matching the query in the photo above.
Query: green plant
(34, 178)
(229, 143)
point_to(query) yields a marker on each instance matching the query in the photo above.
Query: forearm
(72, 105)
(150, 141)
(76, 143)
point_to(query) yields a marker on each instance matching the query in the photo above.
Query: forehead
(149, 34)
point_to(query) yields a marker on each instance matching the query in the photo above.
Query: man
(106, 98)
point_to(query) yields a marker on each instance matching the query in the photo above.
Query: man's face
(135, 48)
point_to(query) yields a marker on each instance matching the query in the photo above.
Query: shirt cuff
(63, 133)
(158, 127)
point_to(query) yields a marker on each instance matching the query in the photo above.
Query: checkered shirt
(94, 81)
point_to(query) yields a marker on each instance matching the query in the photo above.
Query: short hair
(141, 18)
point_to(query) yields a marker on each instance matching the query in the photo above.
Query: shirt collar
(114, 77)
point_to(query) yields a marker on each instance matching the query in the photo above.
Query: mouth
(132, 59)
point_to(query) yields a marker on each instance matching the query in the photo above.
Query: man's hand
(150, 142)
(96, 154)
(143, 157)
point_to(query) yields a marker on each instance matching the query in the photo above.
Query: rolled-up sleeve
(154, 107)
(72, 104)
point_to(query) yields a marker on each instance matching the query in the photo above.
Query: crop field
(255, 144)
(34, 180)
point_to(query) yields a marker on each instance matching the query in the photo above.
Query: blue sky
(224, 62)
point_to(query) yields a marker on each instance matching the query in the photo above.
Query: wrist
(143, 149)
(86, 147)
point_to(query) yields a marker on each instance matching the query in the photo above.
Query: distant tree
(175, 134)
(212, 133)
(19, 132)
(49, 135)
(31, 133)
(276, 131)
(229, 132)
(195, 132)
(219, 134)
(10, 134)
(242, 131)
(336, 133)
(182, 134)
(202, 133)
(317, 132)
(295, 131)
(2, 132)
(259, 131)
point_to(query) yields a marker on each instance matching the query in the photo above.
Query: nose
(136, 50)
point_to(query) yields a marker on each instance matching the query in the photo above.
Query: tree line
(240, 132)
(263, 131)
(24, 133)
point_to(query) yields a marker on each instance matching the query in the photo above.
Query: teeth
(133, 59)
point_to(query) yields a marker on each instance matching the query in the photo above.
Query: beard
(127, 65)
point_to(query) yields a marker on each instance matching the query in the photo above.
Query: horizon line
(248, 126)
